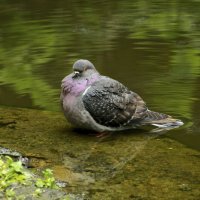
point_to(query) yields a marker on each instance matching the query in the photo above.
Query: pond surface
(152, 47)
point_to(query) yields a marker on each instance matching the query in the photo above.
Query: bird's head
(83, 68)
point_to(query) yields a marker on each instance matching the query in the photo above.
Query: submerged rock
(133, 164)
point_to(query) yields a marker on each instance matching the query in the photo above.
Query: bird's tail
(161, 120)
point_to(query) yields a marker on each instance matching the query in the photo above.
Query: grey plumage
(104, 103)
(111, 104)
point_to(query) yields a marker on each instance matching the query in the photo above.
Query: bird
(95, 102)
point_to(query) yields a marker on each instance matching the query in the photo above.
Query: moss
(125, 165)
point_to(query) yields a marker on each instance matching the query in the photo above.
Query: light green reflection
(38, 41)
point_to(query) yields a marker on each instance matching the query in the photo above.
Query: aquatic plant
(47, 181)
(13, 174)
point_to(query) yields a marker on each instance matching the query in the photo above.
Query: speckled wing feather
(111, 104)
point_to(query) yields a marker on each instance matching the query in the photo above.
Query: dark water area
(153, 47)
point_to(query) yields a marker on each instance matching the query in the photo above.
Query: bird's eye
(76, 74)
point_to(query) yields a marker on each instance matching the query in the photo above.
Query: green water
(153, 47)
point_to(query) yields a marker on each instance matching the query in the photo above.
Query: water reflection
(153, 50)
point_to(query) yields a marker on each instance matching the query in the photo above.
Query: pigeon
(92, 101)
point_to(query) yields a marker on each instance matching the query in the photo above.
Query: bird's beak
(76, 74)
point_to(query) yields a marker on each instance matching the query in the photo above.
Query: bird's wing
(111, 104)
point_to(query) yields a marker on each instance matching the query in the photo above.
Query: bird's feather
(111, 104)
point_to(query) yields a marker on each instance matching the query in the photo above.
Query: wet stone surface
(19, 183)
(134, 164)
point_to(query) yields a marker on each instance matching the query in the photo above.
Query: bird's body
(92, 101)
